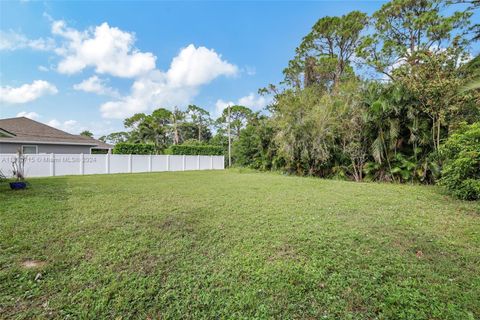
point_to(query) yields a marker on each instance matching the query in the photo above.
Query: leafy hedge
(134, 148)
(461, 163)
(203, 150)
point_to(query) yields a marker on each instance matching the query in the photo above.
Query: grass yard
(232, 244)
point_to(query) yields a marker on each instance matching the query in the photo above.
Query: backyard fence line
(49, 165)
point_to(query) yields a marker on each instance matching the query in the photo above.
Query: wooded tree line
(194, 125)
(371, 97)
(363, 98)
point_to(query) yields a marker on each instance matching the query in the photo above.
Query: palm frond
(472, 85)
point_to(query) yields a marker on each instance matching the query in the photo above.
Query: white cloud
(108, 49)
(252, 101)
(198, 66)
(96, 85)
(68, 125)
(27, 92)
(11, 40)
(220, 105)
(31, 115)
(189, 70)
(98, 128)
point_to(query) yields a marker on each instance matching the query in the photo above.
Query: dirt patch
(32, 264)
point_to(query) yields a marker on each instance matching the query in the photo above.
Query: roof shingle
(27, 130)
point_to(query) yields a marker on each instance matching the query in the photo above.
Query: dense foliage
(134, 148)
(186, 132)
(163, 128)
(203, 150)
(461, 168)
(363, 98)
(331, 118)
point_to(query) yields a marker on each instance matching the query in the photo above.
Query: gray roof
(24, 130)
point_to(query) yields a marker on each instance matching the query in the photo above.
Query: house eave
(49, 142)
(6, 133)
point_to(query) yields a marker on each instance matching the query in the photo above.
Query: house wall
(46, 148)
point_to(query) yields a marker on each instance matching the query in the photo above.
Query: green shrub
(193, 142)
(134, 148)
(461, 163)
(204, 150)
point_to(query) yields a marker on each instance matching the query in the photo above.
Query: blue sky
(87, 65)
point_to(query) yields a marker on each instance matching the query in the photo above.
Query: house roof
(24, 130)
(5, 133)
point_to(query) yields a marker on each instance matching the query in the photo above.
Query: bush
(134, 148)
(193, 142)
(461, 163)
(203, 150)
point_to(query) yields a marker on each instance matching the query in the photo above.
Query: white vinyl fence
(46, 165)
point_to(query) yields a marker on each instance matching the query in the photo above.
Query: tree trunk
(438, 134)
(175, 134)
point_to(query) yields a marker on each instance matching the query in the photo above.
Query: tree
(176, 120)
(152, 128)
(86, 133)
(200, 117)
(255, 148)
(189, 131)
(304, 135)
(436, 83)
(116, 137)
(472, 68)
(351, 126)
(239, 117)
(406, 29)
(325, 53)
(419, 46)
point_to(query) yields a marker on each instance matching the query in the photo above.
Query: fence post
(183, 163)
(107, 163)
(149, 163)
(211, 162)
(52, 164)
(198, 162)
(130, 163)
(82, 167)
(168, 162)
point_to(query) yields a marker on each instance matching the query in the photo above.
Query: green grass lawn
(231, 244)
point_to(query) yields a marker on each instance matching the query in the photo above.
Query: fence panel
(176, 163)
(140, 163)
(191, 162)
(160, 163)
(44, 165)
(206, 163)
(6, 164)
(65, 164)
(119, 163)
(218, 162)
(94, 163)
(38, 165)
